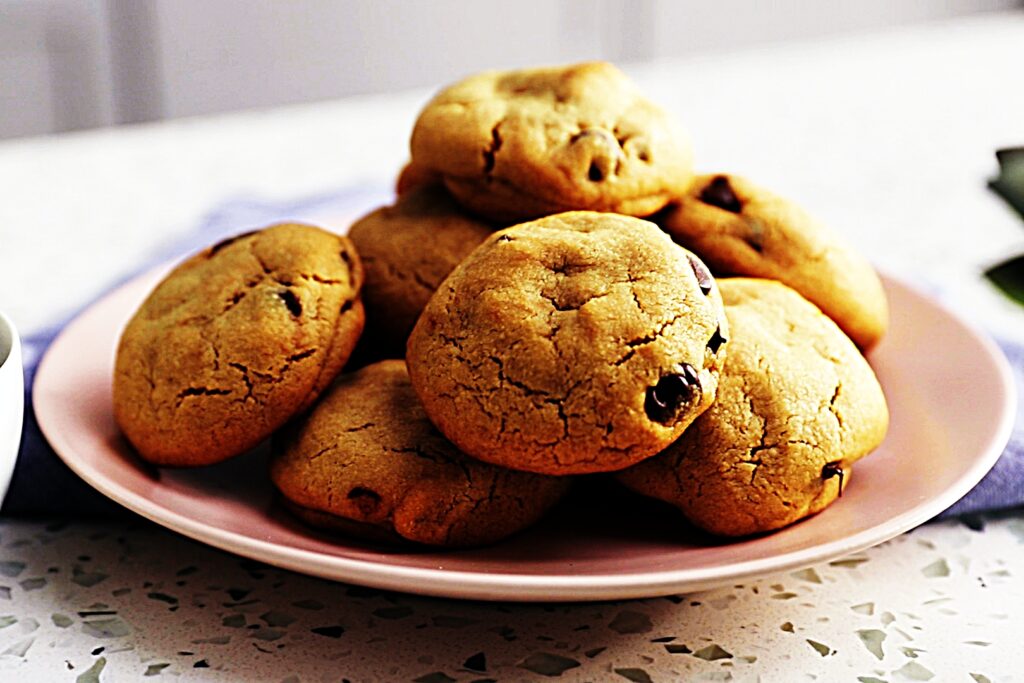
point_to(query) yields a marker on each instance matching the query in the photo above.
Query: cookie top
(739, 228)
(517, 145)
(408, 249)
(581, 342)
(797, 406)
(413, 176)
(367, 456)
(236, 340)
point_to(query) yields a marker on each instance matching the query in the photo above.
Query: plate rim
(519, 587)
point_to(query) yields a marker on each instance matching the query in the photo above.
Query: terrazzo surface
(125, 602)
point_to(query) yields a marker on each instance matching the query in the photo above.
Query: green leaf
(1008, 276)
(1009, 184)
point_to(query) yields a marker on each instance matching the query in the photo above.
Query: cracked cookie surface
(518, 145)
(368, 461)
(234, 341)
(407, 250)
(581, 342)
(741, 229)
(797, 405)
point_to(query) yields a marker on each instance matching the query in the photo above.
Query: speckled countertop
(92, 602)
(892, 147)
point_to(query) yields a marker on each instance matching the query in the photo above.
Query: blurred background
(75, 64)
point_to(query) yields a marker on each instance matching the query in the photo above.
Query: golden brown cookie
(517, 145)
(413, 176)
(236, 340)
(739, 228)
(797, 405)
(581, 342)
(407, 250)
(368, 461)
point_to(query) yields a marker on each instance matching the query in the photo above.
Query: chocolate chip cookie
(368, 461)
(581, 342)
(797, 406)
(413, 176)
(407, 250)
(739, 228)
(236, 340)
(518, 145)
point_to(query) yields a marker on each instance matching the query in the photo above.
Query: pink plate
(951, 399)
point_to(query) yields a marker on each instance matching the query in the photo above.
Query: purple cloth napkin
(43, 485)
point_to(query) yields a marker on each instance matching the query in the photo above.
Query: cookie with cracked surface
(581, 342)
(234, 341)
(407, 250)
(518, 145)
(797, 406)
(367, 461)
(741, 229)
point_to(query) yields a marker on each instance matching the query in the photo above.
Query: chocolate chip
(834, 469)
(504, 238)
(716, 340)
(665, 398)
(719, 193)
(365, 499)
(360, 492)
(704, 278)
(347, 306)
(291, 301)
(605, 152)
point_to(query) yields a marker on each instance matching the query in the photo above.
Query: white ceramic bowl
(12, 400)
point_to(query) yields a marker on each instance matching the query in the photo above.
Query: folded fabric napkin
(43, 485)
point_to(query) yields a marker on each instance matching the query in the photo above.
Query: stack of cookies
(554, 293)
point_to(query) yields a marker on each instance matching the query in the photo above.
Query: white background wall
(69, 64)
(54, 66)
